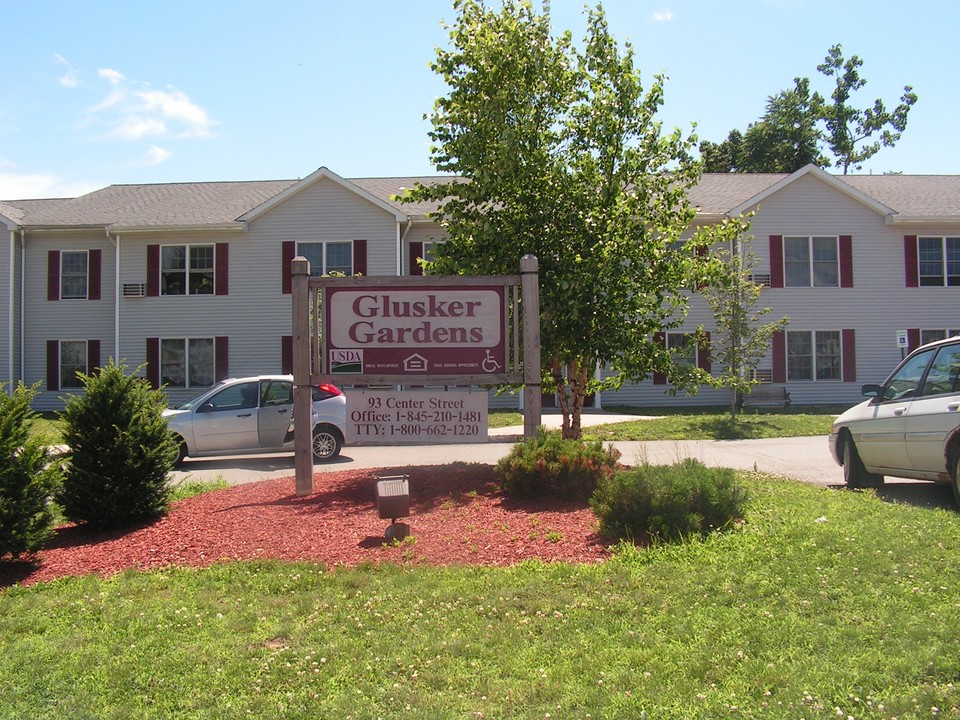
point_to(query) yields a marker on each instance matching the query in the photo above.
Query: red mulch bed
(458, 515)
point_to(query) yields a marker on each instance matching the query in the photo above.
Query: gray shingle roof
(221, 203)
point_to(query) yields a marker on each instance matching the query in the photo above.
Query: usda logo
(346, 361)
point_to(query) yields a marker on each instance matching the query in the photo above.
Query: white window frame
(811, 260)
(192, 375)
(68, 373)
(196, 280)
(815, 357)
(69, 275)
(323, 267)
(929, 335)
(683, 347)
(948, 261)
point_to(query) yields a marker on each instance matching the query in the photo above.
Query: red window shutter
(910, 263)
(221, 357)
(93, 357)
(660, 339)
(779, 357)
(913, 339)
(53, 364)
(849, 348)
(416, 252)
(846, 261)
(776, 261)
(153, 277)
(702, 254)
(221, 278)
(53, 275)
(359, 257)
(153, 361)
(704, 361)
(288, 252)
(286, 354)
(94, 261)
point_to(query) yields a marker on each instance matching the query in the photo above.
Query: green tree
(559, 154)
(849, 129)
(740, 340)
(28, 478)
(121, 450)
(784, 140)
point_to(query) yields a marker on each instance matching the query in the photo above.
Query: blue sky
(101, 92)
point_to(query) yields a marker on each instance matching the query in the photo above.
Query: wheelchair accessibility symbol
(490, 363)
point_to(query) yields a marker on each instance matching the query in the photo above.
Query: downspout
(400, 237)
(10, 341)
(23, 271)
(116, 295)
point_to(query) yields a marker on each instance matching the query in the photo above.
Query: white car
(255, 415)
(910, 425)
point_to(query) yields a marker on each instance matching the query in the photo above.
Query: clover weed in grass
(823, 604)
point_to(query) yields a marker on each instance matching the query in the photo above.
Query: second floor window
(328, 257)
(811, 262)
(186, 270)
(938, 261)
(683, 348)
(73, 274)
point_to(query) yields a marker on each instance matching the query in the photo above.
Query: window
(814, 355)
(811, 262)
(929, 336)
(186, 269)
(73, 359)
(683, 348)
(187, 362)
(944, 373)
(73, 275)
(327, 258)
(938, 261)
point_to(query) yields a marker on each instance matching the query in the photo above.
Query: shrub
(668, 502)
(28, 478)
(551, 465)
(121, 451)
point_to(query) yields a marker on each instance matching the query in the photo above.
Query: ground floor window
(814, 355)
(73, 360)
(187, 362)
(683, 348)
(929, 336)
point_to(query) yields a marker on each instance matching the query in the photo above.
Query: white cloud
(69, 78)
(15, 186)
(664, 15)
(132, 111)
(157, 155)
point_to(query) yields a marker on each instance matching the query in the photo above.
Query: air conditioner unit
(764, 376)
(134, 290)
(761, 279)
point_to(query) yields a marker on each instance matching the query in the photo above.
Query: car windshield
(193, 401)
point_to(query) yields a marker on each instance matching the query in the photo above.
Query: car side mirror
(874, 391)
(206, 408)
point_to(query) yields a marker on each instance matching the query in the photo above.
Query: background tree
(848, 126)
(799, 126)
(121, 450)
(564, 158)
(740, 340)
(28, 478)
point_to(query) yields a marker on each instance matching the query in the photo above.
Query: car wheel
(854, 474)
(955, 480)
(327, 442)
(181, 454)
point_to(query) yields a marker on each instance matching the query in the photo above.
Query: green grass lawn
(823, 604)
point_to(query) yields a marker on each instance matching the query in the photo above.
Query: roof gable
(831, 180)
(321, 174)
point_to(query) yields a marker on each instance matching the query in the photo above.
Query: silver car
(910, 425)
(255, 415)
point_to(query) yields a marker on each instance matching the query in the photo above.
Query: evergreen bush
(552, 465)
(121, 450)
(28, 477)
(668, 502)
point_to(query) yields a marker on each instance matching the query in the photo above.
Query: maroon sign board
(429, 330)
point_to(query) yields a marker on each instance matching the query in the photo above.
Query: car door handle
(244, 414)
(281, 411)
(953, 407)
(899, 411)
